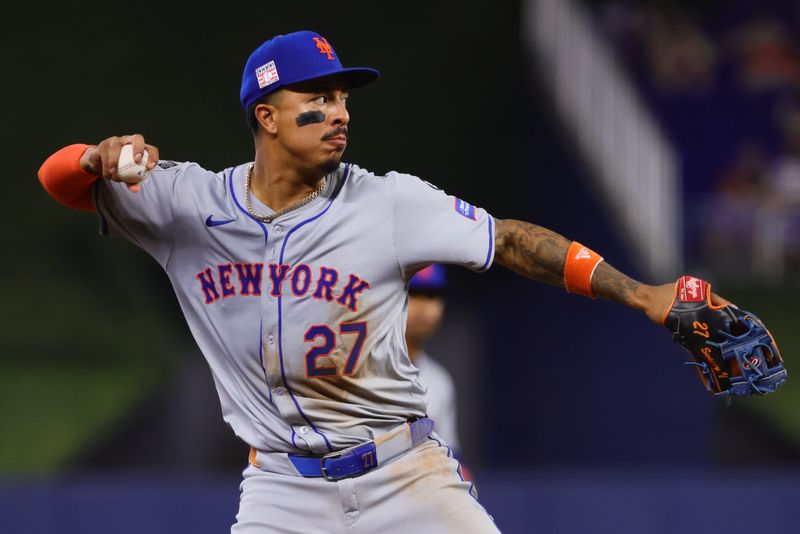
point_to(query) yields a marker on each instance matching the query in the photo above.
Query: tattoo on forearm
(611, 284)
(540, 254)
(531, 251)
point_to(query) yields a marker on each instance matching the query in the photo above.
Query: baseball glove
(733, 351)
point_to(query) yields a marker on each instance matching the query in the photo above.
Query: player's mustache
(334, 133)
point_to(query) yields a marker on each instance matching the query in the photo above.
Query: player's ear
(265, 115)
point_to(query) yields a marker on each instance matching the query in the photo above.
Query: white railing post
(636, 167)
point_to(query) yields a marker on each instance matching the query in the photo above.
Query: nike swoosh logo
(212, 223)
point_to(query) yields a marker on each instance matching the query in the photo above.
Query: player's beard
(331, 164)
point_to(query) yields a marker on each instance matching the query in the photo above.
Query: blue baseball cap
(292, 58)
(431, 279)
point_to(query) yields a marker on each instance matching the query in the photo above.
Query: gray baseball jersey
(301, 320)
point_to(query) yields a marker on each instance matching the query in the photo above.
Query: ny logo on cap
(324, 47)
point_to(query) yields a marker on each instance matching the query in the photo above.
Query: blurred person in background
(426, 307)
(729, 218)
(784, 182)
(766, 53)
(778, 238)
(681, 57)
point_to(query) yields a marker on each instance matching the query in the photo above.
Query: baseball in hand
(128, 170)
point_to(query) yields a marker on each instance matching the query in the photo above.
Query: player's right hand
(102, 159)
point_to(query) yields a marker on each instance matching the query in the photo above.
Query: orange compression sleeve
(579, 268)
(64, 180)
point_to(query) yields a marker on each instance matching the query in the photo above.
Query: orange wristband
(579, 268)
(64, 180)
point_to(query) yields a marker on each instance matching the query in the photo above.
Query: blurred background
(663, 134)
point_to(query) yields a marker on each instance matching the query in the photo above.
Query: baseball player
(291, 271)
(425, 312)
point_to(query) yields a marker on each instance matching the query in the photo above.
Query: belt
(359, 459)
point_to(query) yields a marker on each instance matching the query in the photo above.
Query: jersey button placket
(305, 436)
(270, 323)
(281, 398)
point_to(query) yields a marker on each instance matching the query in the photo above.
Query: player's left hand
(732, 350)
(659, 299)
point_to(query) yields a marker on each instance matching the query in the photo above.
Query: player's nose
(340, 115)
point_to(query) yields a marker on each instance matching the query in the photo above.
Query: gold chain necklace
(271, 217)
